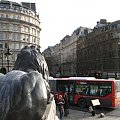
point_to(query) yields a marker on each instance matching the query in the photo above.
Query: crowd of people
(63, 105)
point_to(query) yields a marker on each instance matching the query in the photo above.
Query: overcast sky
(61, 17)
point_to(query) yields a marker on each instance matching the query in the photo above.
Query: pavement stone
(80, 115)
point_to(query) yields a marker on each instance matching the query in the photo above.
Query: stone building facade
(90, 52)
(53, 57)
(64, 54)
(69, 51)
(19, 26)
(101, 53)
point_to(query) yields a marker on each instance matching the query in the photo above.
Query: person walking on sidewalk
(66, 105)
(60, 104)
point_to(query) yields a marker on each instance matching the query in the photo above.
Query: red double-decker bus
(81, 90)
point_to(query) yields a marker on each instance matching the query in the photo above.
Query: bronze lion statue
(25, 91)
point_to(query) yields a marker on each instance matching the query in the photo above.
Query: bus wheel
(82, 103)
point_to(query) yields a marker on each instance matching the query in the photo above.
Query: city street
(77, 114)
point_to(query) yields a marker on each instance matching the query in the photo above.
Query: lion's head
(30, 58)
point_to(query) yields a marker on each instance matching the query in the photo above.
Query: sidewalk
(80, 115)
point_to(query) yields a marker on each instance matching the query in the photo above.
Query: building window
(27, 29)
(15, 27)
(33, 40)
(17, 37)
(22, 29)
(1, 45)
(18, 17)
(12, 46)
(17, 46)
(38, 33)
(6, 36)
(10, 27)
(14, 16)
(13, 36)
(6, 45)
(1, 36)
(33, 31)
(7, 16)
(26, 38)
(4, 26)
(2, 15)
(0, 26)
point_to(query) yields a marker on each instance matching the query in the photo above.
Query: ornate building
(99, 52)
(19, 26)
(64, 54)
(90, 52)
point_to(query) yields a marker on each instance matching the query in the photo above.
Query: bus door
(71, 93)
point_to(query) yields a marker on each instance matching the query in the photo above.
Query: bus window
(82, 89)
(101, 90)
(79, 89)
(62, 88)
(94, 90)
(105, 90)
(71, 88)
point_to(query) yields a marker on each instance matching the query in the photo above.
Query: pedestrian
(56, 97)
(66, 105)
(60, 104)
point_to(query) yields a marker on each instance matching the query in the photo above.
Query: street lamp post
(8, 53)
(2, 58)
(2, 70)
